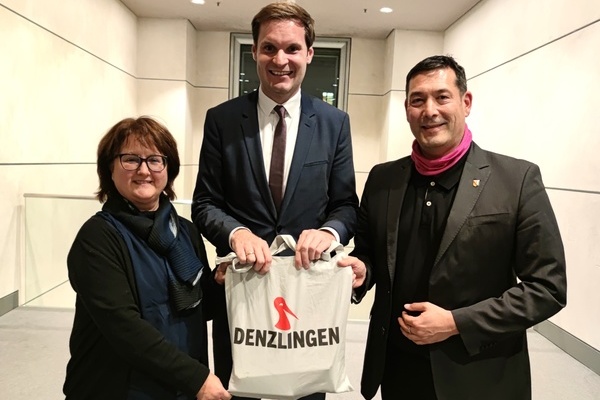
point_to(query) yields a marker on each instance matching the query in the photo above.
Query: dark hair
(149, 133)
(283, 11)
(439, 62)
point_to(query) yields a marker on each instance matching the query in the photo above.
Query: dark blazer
(232, 189)
(500, 268)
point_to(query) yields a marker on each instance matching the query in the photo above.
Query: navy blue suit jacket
(232, 188)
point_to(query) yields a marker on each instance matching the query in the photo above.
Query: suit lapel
(400, 178)
(473, 179)
(306, 128)
(251, 134)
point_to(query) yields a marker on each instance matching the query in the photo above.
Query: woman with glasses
(141, 276)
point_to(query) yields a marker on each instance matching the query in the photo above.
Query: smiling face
(281, 58)
(141, 187)
(436, 111)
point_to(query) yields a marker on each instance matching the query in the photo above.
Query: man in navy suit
(315, 200)
(465, 253)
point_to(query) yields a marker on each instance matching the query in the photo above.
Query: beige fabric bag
(288, 327)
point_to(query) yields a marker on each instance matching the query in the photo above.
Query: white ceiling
(347, 18)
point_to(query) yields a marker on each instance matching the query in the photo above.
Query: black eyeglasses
(132, 162)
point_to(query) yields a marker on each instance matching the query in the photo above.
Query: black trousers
(407, 376)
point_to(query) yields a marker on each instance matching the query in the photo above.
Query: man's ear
(467, 102)
(254, 52)
(309, 56)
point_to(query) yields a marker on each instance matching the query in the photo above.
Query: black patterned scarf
(162, 232)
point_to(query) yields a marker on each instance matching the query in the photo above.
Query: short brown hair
(149, 133)
(283, 11)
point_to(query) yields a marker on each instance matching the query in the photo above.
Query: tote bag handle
(279, 245)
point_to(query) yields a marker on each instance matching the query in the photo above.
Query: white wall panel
(541, 107)
(367, 66)
(534, 97)
(399, 138)
(162, 49)
(54, 95)
(73, 68)
(578, 215)
(497, 31)
(212, 60)
(366, 117)
(106, 29)
(80, 179)
(410, 47)
(67, 80)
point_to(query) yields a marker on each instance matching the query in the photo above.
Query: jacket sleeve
(364, 243)
(343, 202)
(209, 204)
(98, 265)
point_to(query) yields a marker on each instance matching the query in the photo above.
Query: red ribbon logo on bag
(291, 339)
(283, 309)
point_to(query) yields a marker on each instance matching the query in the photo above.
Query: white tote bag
(288, 327)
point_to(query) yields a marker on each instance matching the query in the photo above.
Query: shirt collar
(447, 179)
(292, 106)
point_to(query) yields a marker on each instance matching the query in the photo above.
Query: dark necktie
(278, 158)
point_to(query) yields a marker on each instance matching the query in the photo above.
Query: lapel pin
(475, 182)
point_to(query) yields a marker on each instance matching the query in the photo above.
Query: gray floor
(34, 352)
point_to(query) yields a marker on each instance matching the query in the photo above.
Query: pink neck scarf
(429, 167)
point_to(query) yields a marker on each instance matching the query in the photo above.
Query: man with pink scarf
(465, 252)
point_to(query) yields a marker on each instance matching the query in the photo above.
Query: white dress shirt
(267, 121)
